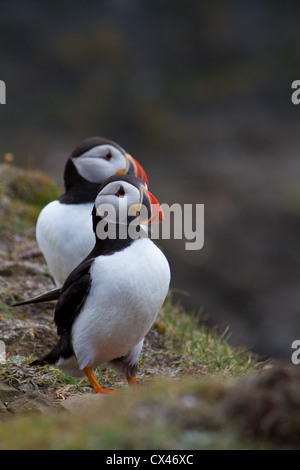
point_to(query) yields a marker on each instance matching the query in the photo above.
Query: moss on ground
(23, 194)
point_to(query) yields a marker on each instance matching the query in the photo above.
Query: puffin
(64, 227)
(110, 301)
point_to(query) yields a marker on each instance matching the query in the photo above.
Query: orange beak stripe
(138, 169)
(157, 215)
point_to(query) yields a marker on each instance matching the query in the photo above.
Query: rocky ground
(195, 392)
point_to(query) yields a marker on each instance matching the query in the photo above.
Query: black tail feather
(39, 362)
(62, 349)
(47, 297)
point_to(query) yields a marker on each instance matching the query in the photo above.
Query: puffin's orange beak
(157, 215)
(148, 209)
(133, 167)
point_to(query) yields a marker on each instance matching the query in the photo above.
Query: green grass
(199, 348)
(170, 414)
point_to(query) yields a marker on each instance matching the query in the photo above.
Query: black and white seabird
(64, 227)
(110, 301)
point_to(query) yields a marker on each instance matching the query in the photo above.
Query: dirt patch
(35, 340)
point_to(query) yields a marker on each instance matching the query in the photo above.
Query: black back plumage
(77, 189)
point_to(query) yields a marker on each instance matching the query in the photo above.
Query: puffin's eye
(108, 156)
(120, 192)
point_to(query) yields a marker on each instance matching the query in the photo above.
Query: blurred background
(200, 93)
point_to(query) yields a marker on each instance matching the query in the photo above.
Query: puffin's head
(123, 199)
(96, 158)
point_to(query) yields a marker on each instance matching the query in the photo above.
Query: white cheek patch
(115, 212)
(98, 151)
(115, 209)
(94, 167)
(95, 170)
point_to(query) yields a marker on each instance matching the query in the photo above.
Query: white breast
(65, 236)
(127, 291)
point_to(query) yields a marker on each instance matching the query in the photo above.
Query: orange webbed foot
(96, 386)
(103, 391)
(132, 382)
